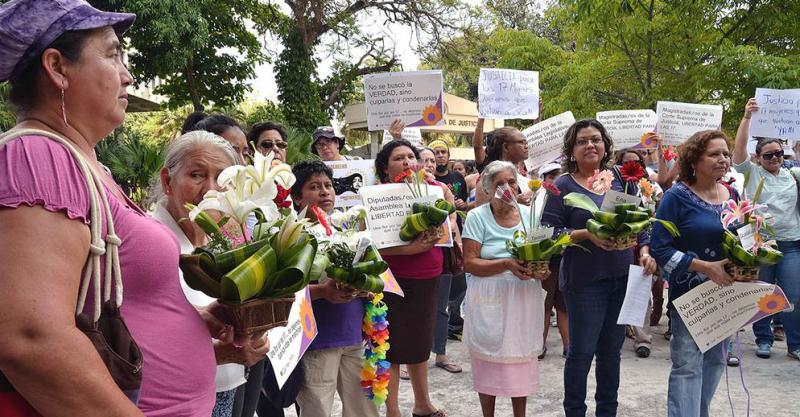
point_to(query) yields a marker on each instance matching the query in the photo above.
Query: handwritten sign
(613, 198)
(546, 138)
(387, 207)
(508, 94)
(712, 312)
(411, 134)
(627, 127)
(415, 97)
(288, 344)
(348, 177)
(778, 115)
(678, 121)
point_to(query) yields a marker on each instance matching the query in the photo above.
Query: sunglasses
(270, 145)
(770, 155)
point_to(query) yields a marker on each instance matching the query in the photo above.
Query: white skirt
(504, 318)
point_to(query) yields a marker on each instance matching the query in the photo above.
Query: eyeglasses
(583, 142)
(770, 155)
(269, 144)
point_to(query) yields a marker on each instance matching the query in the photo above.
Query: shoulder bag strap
(98, 246)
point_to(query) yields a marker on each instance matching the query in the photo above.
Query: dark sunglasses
(770, 155)
(270, 145)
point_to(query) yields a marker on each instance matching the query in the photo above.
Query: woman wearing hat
(327, 145)
(63, 61)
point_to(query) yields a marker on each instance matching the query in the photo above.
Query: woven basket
(534, 268)
(256, 315)
(624, 243)
(432, 235)
(742, 273)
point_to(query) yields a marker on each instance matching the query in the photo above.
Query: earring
(572, 158)
(63, 106)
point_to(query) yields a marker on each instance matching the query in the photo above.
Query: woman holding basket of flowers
(594, 295)
(504, 304)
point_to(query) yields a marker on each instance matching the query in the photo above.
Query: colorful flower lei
(375, 372)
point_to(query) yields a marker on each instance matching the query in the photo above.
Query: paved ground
(774, 384)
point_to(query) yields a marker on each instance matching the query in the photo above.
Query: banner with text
(414, 96)
(546, 138)
(348, 177)
(628, 127)
(778, 114)
(508, 94)
(387, 207)
(678, 121)
(411, 134)
(289, 343)
(713, 313)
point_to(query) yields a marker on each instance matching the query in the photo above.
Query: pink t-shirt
(179, 364)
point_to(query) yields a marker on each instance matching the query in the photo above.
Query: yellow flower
(535, 184)
(771, 304)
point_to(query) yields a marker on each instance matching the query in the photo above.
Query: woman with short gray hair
(191, 166)
(503, 323)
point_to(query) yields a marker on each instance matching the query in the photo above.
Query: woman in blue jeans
(779, 194)
(694, 204)
(593, 282)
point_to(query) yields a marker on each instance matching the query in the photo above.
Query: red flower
(403, 175)
(632, 171)
(321, 218)
(280, 199)
(551, 188)
(669, 154)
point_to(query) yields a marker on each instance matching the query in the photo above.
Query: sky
(402, 36)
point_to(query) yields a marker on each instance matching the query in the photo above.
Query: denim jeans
(442, 317)
(594, 333)
(786, 274)
(458, 289)
(694, 376)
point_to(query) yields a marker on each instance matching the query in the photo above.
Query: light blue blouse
(481, 227)
(780, 196)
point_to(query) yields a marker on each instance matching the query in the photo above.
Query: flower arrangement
(745, 261)
(530, 245)
(255, 275)
(626, 220)
(354, 263)
(426, 217)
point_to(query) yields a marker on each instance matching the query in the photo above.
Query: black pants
(247, 395)
(458, 289)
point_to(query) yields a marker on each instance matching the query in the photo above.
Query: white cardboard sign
(626, 127)
(678, 121)
(508, 94)
(411, 134)
(546, 138)
(289, 343)
(415, 97)
(778, 115)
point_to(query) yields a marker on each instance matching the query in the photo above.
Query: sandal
(437, 413)
(404, 374)
(449, 367)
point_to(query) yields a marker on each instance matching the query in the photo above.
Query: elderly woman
(191, 166)
(416, 267)
(593, 294)
(694, 204)
(508, 144)
(69, 79)
(780, 196)
(504, 305)
(268, 137)
(334, 359)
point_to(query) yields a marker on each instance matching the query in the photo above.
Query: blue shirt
(481, 227)
(700, 237)
(579, 268)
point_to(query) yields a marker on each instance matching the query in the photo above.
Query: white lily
(226, 202)
(349, 218)
(239, 179)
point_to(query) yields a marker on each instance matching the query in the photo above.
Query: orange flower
(307, 319)
(772, 303)
(648, 140)
(431, 115)
(647, 188)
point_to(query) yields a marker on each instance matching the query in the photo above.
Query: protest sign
(387, 207)
(415, 97)
(508, 94)
(546, 138)
(348, 177)
(678, 121)
(778, 114)
(628, 127)
(289, 343)
(411, 134)
(712, 312)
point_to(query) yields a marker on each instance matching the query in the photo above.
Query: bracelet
(746, 117)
